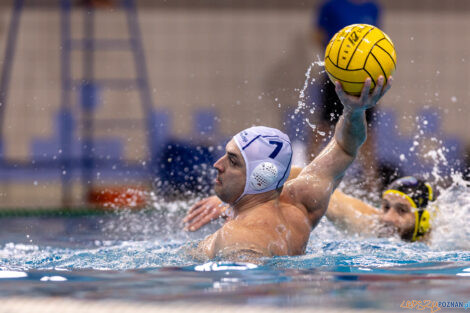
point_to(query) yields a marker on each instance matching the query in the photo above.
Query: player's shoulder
(258, 223)
(240, 228)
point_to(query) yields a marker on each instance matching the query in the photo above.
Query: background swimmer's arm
(351, 214)
(317, 181)
(203, 212)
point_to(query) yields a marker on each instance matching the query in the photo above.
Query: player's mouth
(218, 181)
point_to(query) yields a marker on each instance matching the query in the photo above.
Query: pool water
(141, 256)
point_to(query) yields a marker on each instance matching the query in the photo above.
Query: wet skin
(279, 222)
(280, 228)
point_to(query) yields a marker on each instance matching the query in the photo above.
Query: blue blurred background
(101, 97)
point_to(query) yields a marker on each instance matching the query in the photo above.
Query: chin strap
(422, 224)
(423, 218)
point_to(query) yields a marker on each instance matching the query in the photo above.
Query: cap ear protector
(419, 194)
(422, 224)
(423, 218)
(263, 176)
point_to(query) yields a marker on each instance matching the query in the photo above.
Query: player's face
(231, 174)
(397, 216)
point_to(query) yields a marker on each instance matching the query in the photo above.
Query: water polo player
(418, 194)
(404, 211)
(272, 217)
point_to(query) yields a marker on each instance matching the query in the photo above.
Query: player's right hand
(203, 212)
(367, 100)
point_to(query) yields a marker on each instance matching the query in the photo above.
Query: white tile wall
(234, 61)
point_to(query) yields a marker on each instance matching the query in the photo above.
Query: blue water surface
(143, 257)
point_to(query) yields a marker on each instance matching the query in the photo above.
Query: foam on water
(451, 224)
(154, 238)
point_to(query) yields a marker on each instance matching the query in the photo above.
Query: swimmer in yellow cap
(418, 195)
(404, 211)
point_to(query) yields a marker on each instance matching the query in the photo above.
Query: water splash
(452, 216)
(301, 102)
(305, 104)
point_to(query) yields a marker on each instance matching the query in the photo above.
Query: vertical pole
(66, 127)
(88, 101)
(8, 63)
(142, 76)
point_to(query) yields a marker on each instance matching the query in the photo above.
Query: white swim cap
(268, 154)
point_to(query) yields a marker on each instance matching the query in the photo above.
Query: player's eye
(401, 210)
(385, 206)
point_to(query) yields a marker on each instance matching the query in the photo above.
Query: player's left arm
(347, 212)
(317, 181)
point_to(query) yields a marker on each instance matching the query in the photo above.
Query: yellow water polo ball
(359, 51)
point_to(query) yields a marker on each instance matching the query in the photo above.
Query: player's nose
(390, 218)
(218, 165)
